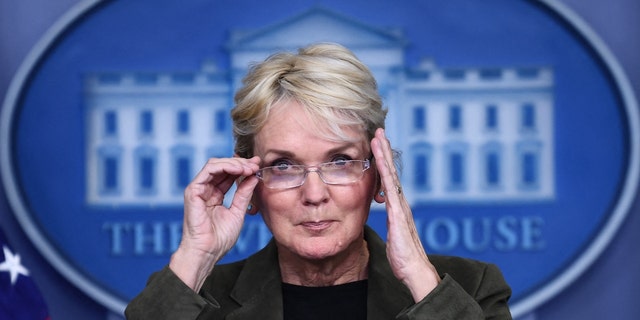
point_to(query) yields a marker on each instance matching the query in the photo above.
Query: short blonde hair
(336, 89)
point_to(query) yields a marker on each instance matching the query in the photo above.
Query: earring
(249, 207)
(381, 193)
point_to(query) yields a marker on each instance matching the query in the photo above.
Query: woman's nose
(314, 190)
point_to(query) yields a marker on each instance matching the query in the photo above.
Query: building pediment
(315, 25)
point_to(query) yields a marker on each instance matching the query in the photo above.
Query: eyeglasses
(286, 176)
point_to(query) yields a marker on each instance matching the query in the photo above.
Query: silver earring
(381, 193)
(249, 207)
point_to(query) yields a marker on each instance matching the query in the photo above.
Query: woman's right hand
(210, 229)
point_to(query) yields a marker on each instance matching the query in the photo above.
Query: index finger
(223, 172)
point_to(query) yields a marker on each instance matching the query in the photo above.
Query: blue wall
(606, 290)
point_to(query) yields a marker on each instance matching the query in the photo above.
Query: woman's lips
(317, 225)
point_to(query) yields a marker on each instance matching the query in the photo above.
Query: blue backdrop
(605, 290)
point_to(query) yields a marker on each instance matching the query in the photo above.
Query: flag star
(12, 265)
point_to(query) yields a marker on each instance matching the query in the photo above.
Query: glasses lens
(282, 176)
(343, 172)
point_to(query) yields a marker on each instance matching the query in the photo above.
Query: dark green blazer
(251, 289)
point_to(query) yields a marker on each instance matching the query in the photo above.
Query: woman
(311, 156)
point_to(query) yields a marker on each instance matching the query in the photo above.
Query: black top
(345, 301)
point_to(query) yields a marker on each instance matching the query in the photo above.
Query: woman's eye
(341, 160)
(281, 165)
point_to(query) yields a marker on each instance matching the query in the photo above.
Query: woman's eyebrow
(344, 148)
(292, 155)
(278, 153)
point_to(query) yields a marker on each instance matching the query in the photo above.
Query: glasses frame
(366, 164)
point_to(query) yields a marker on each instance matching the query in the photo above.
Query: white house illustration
(467, 135)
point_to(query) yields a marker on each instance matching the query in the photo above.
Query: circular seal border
(631, 183)
(21, 78)
(528, 304)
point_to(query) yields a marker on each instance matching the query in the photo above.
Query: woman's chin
(317, 250)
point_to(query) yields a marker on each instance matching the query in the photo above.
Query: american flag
(20, 298)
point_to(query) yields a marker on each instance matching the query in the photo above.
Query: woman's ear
(379, 197)
(252, 209)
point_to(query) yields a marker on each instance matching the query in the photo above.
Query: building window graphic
(468, 134)
(220, 121)
(529, 165)
(146, 123)
(528, 117)
(182, 167)
(456, 170)
(146, 166)
(529, 169)
(455, 118)
(456, 164)
(419, 118)
(110, 123)
(491, 118)
(492, 165)
(183, 122)
(183, 170)
(147, 171)
(492, 169)
(109, 170)
(110, 174)
(422, 167)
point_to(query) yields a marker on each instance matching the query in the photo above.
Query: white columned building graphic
(472, 134)
(148, 133)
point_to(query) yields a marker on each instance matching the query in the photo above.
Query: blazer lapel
(386, 296)
(258, 290)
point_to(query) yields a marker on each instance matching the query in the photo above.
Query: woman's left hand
(405, 252)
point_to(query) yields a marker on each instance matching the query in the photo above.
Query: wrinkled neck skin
(348, 266)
